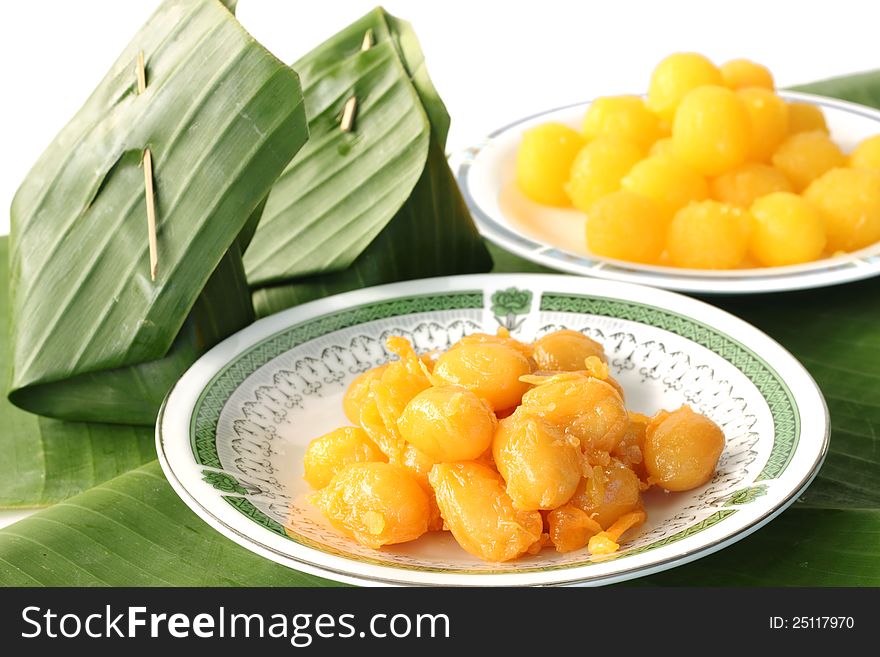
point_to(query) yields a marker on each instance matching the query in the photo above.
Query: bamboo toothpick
(151, 213)
(367, 43)
(141, 73)
(350, 109)
(348, 113)
(148, 180)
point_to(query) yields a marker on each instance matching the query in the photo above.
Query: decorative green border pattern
(783, 407)
(705, 523)
(246, 508)
(206, 414)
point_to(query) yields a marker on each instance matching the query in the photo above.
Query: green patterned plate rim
(232, 431)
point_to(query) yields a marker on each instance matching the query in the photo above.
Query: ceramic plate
(554, 237)
(232, 432)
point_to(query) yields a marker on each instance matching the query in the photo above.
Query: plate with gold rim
(232, 432)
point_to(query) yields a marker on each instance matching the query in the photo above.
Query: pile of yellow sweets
(713, 170)
(509, 446)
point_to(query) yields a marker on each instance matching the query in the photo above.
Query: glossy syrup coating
(376, 504)
(327, 455)
(565, 351)
(502, 337)
(608, 493)
(606, 542)
(358, 391)
(386, 438)
(420, 464)
(541, 465)
(570, 528)
(630, 451)
(401, 380)
(682, 449)
(448, 423)
(488, 369)
(480, 514)
(582, 406)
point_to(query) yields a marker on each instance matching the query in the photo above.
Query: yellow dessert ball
(623, 116)
(749, 181)
(491, 370)
(566, 351)
(708, 235)
(712, 131)
(768, 118)
(667, 182)
(661, 147)
(742, 73)
(804, 117)
(376, 504)
(849, 201)
(786, 230)
(480, 514)
(540, 463)
(867, 154)
(626, 226)
(598, 168)
(682, 449)
(805, 156)
(329, 454)
(674, 77)
(448, 423)
(359, 391)
(543, 162)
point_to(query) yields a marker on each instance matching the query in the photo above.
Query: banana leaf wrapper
(93, 338)
(373, 205)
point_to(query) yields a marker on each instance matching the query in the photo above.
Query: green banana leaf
(44, 460)
(862, 88)
(131, 531)
(830, 537)
(93, 338)
(391, 184)
(835, 333)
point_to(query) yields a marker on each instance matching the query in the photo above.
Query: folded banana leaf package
(126, 236)
(370, 199)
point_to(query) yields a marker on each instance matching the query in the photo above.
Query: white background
(492, 61)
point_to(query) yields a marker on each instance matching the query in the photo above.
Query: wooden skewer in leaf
(148, 180)
(350, 109)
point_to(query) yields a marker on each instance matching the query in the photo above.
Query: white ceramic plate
(554, 237)
(233, 431)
